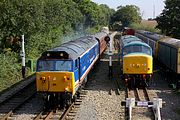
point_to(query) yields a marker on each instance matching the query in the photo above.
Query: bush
(10, 68)
(144, 26)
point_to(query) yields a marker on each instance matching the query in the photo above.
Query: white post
(157, 104)
(130, 103)
(110, 52)
(23, 58)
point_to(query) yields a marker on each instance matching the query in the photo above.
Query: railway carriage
(167, 51)
(128, 31)
(151, 39)
(137, 62)
(61, 71)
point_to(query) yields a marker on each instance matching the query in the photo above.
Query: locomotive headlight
(61, 54)
(130, 65)
(144, 64)
(67, 88)
(66, 79)
(43, 78)
(144, 76)
(48, 54)
(138, 65)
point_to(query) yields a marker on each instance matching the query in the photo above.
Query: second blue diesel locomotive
(137, 62)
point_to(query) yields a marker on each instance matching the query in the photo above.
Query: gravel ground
(171, 111)
(98, 103)
(30, 109)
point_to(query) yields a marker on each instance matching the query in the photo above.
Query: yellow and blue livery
(137, 61)
(61, 71)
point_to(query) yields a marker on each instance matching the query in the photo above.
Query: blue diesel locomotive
(61, 71)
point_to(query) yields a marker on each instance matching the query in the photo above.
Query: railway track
(12, 100)
(116, 62)
(142, 101)
(67, 113)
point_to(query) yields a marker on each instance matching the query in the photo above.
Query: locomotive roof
(100, 35)
(151, 35)
(75, 48)
(137, 43)
(129, 38)
(171, 42)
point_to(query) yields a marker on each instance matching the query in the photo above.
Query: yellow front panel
(55, 81)
(137, 64)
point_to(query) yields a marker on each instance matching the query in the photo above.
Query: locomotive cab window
(137, 49)
(54, 65)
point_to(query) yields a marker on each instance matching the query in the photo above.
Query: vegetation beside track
(149, 25)
(45, 24)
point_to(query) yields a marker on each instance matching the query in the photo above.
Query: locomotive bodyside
(151, 39)
(101, 36)
(171, 58)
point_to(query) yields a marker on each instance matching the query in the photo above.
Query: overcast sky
(146, 6)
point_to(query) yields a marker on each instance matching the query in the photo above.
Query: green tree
(94, 15)
(169, 19)
(126, 15)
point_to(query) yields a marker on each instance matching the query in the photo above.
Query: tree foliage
(45, 23)
(94, 14)
(48, 18)
(126, 15)
(169, 19)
